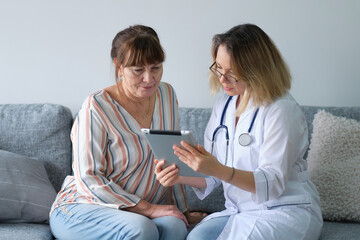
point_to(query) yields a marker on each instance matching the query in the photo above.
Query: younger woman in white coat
(255, 143)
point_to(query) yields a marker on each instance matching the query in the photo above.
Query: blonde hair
(256, 62)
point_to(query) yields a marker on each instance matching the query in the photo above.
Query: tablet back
(161, 143)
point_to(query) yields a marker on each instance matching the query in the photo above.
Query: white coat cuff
(261, 187)
(201, 193)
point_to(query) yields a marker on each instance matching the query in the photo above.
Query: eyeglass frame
(218, 74)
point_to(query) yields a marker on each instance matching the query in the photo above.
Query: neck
(137, 107)
(128, 96)
(238, 100)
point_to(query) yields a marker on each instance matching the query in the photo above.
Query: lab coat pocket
(289, 202)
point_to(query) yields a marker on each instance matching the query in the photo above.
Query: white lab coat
(284, 195)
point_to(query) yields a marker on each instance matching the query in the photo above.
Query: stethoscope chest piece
(245, 139)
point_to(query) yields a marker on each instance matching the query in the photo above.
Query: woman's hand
(197, 158)
(167, 176)
(167, 210)
(154, 211)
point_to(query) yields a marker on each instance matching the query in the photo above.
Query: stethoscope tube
(244, 138)
(222, 125)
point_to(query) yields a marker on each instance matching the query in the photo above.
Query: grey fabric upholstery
(26, 194)
(340, 230)
(25, 231)
(41, 131)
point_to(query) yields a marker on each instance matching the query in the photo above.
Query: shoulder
(166, 92)
(166, 87)
(284, 104)
(284, 109)
(221, 101)
(95, 99)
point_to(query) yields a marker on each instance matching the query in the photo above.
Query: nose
(147, 76)
(223, 79)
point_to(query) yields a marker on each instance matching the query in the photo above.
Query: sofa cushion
(334, 165)
(340, 230)
(25, 231)
(26, 194)
(41, 131)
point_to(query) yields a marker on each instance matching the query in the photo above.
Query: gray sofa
(42, 131)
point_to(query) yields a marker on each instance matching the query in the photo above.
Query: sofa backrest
(41, 131)
(347, 112)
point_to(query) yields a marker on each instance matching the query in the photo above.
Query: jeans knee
(171, 228)
(144, 229)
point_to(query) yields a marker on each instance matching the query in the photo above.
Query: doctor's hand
(197, 158)
(167, 176)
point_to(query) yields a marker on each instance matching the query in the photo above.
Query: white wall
(58, 51)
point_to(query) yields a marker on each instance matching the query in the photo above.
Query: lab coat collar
(249, 109)
(230, 116)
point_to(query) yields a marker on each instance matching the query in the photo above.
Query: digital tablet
(161, 143)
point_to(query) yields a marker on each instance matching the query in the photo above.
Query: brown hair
(136, 45)
(255, 61)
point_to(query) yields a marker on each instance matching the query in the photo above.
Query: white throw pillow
(334, 166)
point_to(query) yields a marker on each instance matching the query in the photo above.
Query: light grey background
(58, 51)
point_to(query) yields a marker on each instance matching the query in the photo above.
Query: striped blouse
(113, 163)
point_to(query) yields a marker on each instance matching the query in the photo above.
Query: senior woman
(113, 193)
(255, 143)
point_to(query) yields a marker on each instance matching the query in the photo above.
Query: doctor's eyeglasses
(229, 78)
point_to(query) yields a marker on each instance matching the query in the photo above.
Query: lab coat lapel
(230, 123)
(230, 117)
(241, 153)
(242, 124)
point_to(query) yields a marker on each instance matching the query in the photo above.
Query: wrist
(231, 176)
(225, 173)
(179, 180)
(143, 207)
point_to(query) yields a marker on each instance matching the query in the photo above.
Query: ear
(119, 69)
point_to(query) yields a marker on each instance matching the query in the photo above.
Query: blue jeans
(209, 229)
(87, 221)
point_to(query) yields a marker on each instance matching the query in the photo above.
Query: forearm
(242, 179)
(143, 207)
(196, 182)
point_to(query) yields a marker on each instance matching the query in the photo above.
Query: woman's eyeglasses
(229, 78)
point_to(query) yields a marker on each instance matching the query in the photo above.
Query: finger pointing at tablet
(197, 158)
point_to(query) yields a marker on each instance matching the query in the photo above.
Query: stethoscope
(244, 138)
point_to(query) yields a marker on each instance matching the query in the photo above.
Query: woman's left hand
(197, 158)
(167, 176)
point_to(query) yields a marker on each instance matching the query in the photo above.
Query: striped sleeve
(89, 137)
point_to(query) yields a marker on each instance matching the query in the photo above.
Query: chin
(148, 92)
(231, 93)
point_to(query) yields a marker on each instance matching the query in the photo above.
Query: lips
(148, 87)
(227, 88)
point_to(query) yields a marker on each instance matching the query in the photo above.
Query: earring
(120, 78)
